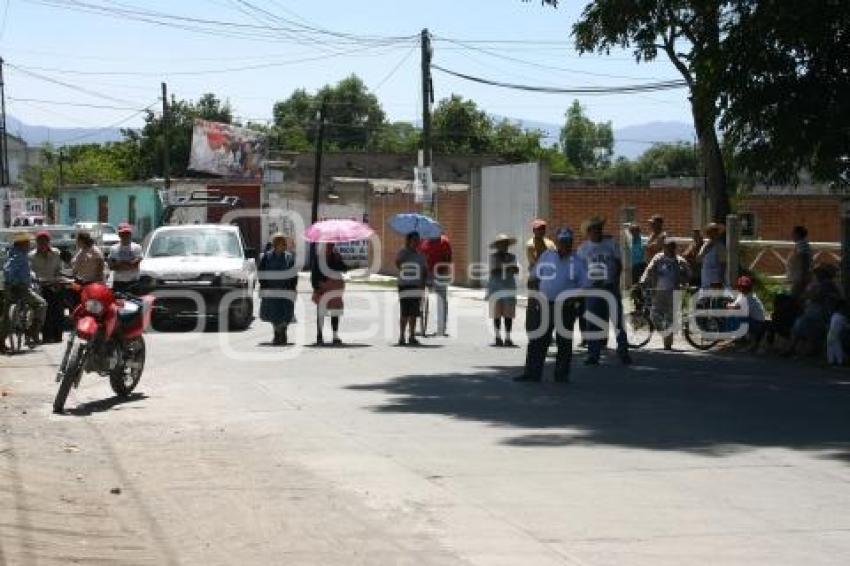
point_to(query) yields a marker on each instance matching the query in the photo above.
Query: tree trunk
(712, 157)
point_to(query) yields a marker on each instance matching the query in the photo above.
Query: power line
(591, 90)
(75, 104)
(67, 85)
(394, 70)
(113, 125)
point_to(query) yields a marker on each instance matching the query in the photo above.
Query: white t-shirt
(749, 305)
(666, 273)
(601, 259)
(120, 252)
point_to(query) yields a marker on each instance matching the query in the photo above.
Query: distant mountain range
(39, 135)
(629, 141)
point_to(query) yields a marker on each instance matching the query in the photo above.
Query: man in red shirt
(438, 253)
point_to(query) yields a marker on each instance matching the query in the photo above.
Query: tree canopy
(587, 145)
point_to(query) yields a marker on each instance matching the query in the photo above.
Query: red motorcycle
(108, 340)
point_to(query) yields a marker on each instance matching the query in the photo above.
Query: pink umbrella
(333, 231)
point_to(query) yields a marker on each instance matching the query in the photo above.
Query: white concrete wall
(511, 197)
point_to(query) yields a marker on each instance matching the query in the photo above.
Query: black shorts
(411, 304)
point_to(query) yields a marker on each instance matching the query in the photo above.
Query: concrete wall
(147, 204)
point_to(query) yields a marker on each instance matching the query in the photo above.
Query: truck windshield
(215, 243)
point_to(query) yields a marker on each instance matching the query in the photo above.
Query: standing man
(534, 248)
(603, 263)
(412, 273)
(800, 263)
(18, 281)
(124, 260)
(665, 274)
(47, 264)
(657, 235)
(636, 251)
(87, 264)
(438, 253)
(712, 257)
(558, 272)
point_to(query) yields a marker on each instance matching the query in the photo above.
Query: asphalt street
(236, 452)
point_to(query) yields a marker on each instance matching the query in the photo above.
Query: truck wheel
(241, 314)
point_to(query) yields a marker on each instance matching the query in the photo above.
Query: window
(131, 209)
(748, 224)
(72, 208)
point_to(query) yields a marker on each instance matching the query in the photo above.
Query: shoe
(509, 343)
(499, 342)
(402, 341)
(526, 378)
(625, 358)
(414, 342)
(320, 341)
(591, 361)
(337, 341)
(276, 339)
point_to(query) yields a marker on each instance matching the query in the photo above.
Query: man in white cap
(124, 259)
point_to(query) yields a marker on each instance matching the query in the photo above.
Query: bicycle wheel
(639, 329)
(701, 332)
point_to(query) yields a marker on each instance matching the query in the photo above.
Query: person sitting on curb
(751, 313)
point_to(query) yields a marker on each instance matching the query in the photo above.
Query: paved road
(234, 452)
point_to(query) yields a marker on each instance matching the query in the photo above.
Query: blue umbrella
(408, 222)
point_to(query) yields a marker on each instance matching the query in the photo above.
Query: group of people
(39, 278)
(422, 265)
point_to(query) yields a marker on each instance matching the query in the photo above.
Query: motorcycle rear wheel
(125, 378)
(73, 369)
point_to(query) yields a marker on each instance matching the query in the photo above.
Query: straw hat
(655, 218)
(592, 222)
(503, 238)
(278, 236)
(21, 238)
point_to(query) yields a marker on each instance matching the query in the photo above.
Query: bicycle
(703, 332)
(19, 321)
(642, 322)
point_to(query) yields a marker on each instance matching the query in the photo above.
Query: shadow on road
(712, 405)
(87, 409)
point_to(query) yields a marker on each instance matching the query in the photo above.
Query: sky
(120, 63)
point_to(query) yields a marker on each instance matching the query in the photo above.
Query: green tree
(354, 117)
(459, 126)
(399, 137)
(513, 143)
(786, 89)
(150, 139)
(587, 145)
(691, 34)
(669, 160)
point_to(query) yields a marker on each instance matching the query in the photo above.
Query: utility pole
(166, 145)
(427, 101)
(4, 142)
(320, 147)
(61, 171)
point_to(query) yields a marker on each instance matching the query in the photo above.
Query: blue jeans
(598, 306)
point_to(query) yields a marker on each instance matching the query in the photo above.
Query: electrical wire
(111, 126)
(394, 70)
(66, 85)
(589, 90)
(65, 103)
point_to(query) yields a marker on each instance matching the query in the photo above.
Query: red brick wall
(777, 214)
(572, 205)
(451, 213)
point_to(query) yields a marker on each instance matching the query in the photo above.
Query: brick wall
(451, 213)
(571, 205)
(775, 215)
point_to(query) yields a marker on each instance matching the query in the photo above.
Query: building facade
(139, 204)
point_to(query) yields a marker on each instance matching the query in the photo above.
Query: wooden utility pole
(4, 141)
(427, 101)
(320, 148)
(166, 145)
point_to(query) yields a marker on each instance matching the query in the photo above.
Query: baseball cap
(124, 227)
(564, 235)
(42, 234)
(538, 223)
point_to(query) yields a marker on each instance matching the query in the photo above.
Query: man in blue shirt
(561, 275)
(18, 279)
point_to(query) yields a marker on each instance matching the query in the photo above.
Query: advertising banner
(228, 151)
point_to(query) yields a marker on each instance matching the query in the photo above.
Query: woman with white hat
(501, 287)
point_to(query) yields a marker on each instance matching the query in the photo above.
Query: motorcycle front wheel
(71, 375)
(126, 377)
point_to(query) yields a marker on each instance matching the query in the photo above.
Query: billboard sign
(227, 151)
